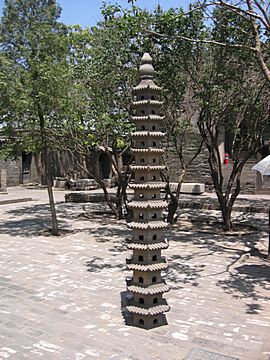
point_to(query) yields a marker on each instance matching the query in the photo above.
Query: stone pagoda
(147, 285)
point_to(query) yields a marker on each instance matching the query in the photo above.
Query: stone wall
(248, 177)
(199, 169)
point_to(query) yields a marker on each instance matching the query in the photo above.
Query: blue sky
(87, 12)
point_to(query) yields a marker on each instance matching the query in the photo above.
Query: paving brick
(62, 295)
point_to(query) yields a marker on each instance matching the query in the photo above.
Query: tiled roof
(146, 102)
(148, 133)
(143, 85)
(160, 185)
(152, 204)
(147, 167)
(151, 225)
(147, 117)
(149, 290)
(148, 312)
(147, 150)
(151, 267)
(154, 246)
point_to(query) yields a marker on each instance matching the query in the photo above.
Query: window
(142, 143)
(153, 127)
(141, 216)
(141, 280)
(143, 127)
(142, 112)
(141, 322)
(153, 112)
(154, 177)
(141, 237)
(154, 160)
(141, 196)
(154, 143)
(154, 216)
(142, 97)
(155, 321)
(152, 97)
(154, 279)
(141, 178)
(141, 300)
(154, 237)
(142, 160)
(154, 196)
(154, 258)
(155, 300)
(140, 258)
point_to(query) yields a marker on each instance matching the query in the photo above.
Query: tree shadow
(97, 264)
(180, 273)
(33, 220)
(243, 283)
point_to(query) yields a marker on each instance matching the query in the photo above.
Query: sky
(87, 12)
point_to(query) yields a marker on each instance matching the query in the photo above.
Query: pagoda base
(149, 322)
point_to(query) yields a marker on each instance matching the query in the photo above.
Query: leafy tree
(175, 59)
(35, 78)
(229, 105)
(217, 84)
(255, 24)
(99, 100)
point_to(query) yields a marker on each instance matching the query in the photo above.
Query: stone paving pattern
(61, 296)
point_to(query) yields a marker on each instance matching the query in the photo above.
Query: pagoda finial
(146, 70)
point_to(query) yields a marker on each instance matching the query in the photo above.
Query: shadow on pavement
(244, 283)
(97, 264)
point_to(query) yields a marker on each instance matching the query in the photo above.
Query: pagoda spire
(147, 285)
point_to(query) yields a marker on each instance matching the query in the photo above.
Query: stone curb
(15, 201)
(205, 206)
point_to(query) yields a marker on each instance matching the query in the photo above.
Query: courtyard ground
(63, 297)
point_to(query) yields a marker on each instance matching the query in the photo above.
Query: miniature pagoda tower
(147, 286)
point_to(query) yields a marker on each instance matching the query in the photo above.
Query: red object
(226, 159)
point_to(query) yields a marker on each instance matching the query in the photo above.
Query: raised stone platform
(188, 188)
(83, 197)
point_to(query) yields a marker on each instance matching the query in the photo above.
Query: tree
(175, 59)
(35, 77)
(100, 100)
(221, 91)
(229, 106)
(255, 17)
(255, 24)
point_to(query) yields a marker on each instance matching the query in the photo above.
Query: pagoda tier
(147, 285)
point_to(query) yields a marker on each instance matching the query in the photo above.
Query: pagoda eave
(150, 290)
(150, 117)
(148, 312)
(151, 225)
(150, 247)
(143, 86)
(146, 102)
(149, 204)
(148, 167)
(137, 186)
(148, 150)
(147, 133)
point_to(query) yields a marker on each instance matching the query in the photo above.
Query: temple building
(147, 285)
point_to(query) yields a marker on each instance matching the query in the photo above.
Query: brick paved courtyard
(61, 297)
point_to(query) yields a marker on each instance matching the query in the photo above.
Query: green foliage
(34, 72)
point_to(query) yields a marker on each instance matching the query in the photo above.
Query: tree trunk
(172, 208)
(226, 211)
(55, 230)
